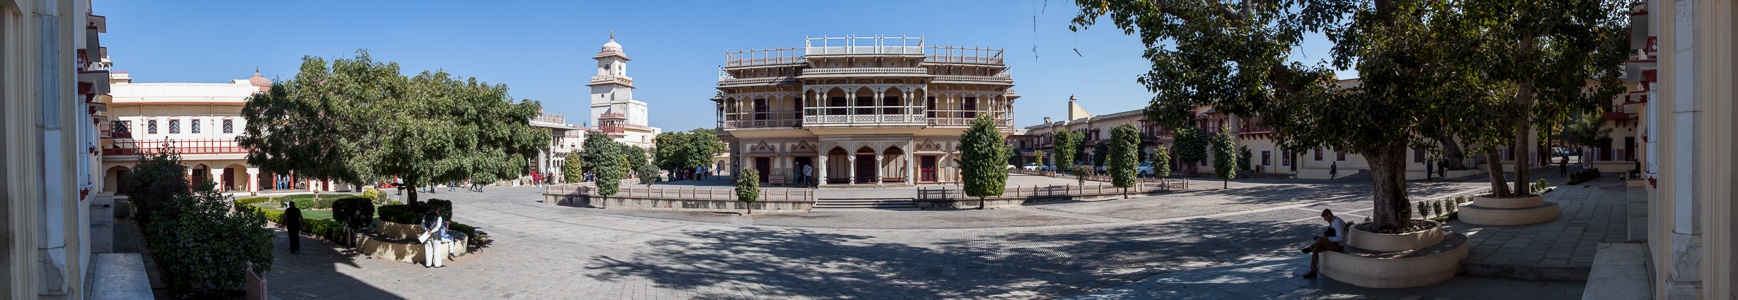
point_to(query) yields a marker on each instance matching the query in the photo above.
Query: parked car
(1031, 167)
(1145, 169)
(1047, 168)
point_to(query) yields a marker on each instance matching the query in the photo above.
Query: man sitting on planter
(1329, 240)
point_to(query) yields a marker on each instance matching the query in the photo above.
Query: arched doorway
(201, 174)
(115, 178)
(866, 166)
(893, 160)
(838, 166)
(235, 178)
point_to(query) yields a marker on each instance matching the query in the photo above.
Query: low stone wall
(678, 199)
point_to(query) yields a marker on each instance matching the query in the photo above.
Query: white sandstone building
(614, 111)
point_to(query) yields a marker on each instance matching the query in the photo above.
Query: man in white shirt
(808, 175)
(1329, 240)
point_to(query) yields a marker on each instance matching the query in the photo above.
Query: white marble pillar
(879, 169)
(910, 171)
(821, 172)
(252, 179)
(217, 178)
(853, 167)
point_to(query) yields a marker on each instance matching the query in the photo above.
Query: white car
(1145, 170)
(1030, 167)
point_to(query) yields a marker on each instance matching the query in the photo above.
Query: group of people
(436, 237)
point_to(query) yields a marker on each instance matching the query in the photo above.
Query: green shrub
(1436, 207)
(373, 195)
(400, 213)
(1422, 211)
(354, 212)
(470, 232)
(252, 200)
(199, 243)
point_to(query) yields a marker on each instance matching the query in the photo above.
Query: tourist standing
(809, 175)
(293, 224)
(435, 228)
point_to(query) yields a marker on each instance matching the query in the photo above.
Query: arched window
(151, 126)
(193, 127)
(228, 126)
(174, 126)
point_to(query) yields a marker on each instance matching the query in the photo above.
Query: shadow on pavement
(795, 262)
(314, 271)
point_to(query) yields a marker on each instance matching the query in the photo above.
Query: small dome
(260, 81)
(612, 46)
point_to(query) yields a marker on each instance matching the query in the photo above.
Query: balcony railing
(968, 55)
(182, 146)
(767, 119)
(552, 118)
(748, 58)
(859, 71)
(847, 119)
(863, 45)
(613, 78)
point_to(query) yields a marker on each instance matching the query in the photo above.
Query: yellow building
(858, 110)
(1687, 66)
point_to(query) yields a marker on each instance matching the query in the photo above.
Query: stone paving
(1563, 248)
(1245, 234)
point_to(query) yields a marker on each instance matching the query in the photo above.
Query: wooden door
(927, 167)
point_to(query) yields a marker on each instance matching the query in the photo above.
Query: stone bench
(1508, 211)
(1397, 269)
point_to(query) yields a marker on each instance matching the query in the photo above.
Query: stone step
(873, 203)
(1619, 272)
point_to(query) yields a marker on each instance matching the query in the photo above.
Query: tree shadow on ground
(796, 262)
(1288, 193)
(313, 271)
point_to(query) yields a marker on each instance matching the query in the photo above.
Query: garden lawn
(311, 214)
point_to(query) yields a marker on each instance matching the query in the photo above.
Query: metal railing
(553, 118)
(867, 70)
(682, 193)
(777, 56)
(968, 55)
(863, 45)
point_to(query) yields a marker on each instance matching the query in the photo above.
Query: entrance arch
(894, 161)
(867, 170)
(838, 166)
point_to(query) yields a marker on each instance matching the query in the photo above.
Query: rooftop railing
(183, 146)
(763, 57)
(852, 44)
(967, 55)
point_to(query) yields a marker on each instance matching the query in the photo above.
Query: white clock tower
(613, 108)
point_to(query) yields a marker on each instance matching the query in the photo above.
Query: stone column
(217, 177)
(853, 167)
(879, 168)
(821, 171)
(910, 171)
(941, 169)
(252, 179)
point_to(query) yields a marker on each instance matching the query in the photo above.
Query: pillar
(910, 171)
(879, 168)
(821, 171)
(852, 165)
(217, 178)
(252, 179)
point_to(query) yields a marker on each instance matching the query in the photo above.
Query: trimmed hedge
(406, 214)
(1583, 176)
(324, 229)
(355, 212)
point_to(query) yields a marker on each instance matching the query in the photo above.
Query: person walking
(808, 175)
(293, 224)
(1563, 167)
(452, 185)
(1329, 240)
(1334, 170)
(435, 237)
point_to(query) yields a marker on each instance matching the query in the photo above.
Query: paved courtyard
(1105, 249)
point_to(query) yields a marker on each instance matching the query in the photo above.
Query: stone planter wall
(1508, 211)
(1383, 242)
(405, 250)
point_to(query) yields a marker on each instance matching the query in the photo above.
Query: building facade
(52, 74)
(614, 111)
(200, 120)
(1683, 60)
(870, 110)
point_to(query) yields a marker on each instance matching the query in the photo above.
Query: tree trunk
(1523, 162)
(1452, 157)
(1499, 185)
(1388, 179)
(980, 203)
(410, 197)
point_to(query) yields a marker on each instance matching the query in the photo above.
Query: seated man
(1329, 240)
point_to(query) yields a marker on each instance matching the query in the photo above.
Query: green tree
(1422, 64)
(605, 162)
(1587, 131)
(572, 168)
(983, 159)
(1161, 162)
(1080, 173)
(648, 174)
(1244, 158)
(703, 145)
(636, 158)
(1224, 156)
(671, 150)
(1191, 146)
(1038, 157)
(1065, 144)
(361, 118)
(155, 180)
(1100, 152)
(748, 187)
(1123, 158)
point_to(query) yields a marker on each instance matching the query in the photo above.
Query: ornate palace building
(871, 110)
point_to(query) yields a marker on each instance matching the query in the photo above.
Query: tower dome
(612, 48)
(259, 81)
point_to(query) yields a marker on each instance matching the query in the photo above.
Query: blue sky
(542, 49)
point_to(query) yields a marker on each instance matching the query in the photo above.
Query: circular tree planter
(1487, 210)
(1434, 257)
(397, 241)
